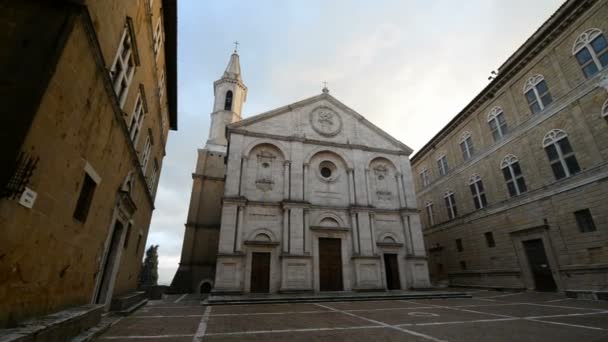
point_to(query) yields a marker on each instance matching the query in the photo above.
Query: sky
(407, 66)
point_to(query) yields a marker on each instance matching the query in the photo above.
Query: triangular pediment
(321, 118)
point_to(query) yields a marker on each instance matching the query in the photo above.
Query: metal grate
(23, 170)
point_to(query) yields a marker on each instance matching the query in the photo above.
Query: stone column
(287, 179)
(304, 183)
(367, 189)
(238, 241)
(407, 234)
(243, 178)
(285, 237)
(402, 202)
(351, 185)
(372, 229)
(355, 232)
(306, 231)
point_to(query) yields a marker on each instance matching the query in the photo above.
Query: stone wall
(50, 260)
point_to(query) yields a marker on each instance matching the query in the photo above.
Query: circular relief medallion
(325, 121)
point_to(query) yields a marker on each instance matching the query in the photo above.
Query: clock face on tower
(325, 121)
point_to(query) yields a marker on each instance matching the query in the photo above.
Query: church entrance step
(329, 297)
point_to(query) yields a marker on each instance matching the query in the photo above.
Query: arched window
(429, 213)
(560, 154)
(450, 204)
(513, 176)
(466, 145)
(425, 177)
(605, 110)
(537, 93)
(478, 192)
(442, 164)
(228, 102)
(591, 51)
(497, 122)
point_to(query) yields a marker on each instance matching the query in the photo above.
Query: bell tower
(196, 272)
(230, 95)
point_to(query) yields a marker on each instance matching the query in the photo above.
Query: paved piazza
(488, 316)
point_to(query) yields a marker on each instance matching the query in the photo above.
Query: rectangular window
(429, 213)
(543, 93)
(450, 204)
(158, 37)
(146, 155)
(424, 177)
(466, 146)
(490, 239)
(459, 245)
(84, 200)
(514, 179)
(153, 176)
(479, 195)
(127, 235)
(498, 126)
(442, 164)
(562, 159)
(137, 118)
(123, 66)
(463, 265)
(139, 237)
(585, 221)
(161, 85)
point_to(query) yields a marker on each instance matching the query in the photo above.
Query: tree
(149, 269)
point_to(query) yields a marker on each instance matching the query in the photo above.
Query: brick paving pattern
(488, 316)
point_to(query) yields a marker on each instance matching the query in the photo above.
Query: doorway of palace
(330, 264)
(539, 265)
(391, 268)
(105, 284)
(260, 272)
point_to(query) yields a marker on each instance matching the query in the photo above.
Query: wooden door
(392, 272)
(539, 265)
(330, 264)
(111, 262)
(260, 272)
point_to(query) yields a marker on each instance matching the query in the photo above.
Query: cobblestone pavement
(488, 316)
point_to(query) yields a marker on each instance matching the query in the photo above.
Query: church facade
(315, 198)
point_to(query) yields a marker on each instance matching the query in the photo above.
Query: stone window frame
(540, 100)
(478, 191)
(450, 204)
(153, 176)
(161, 85)
(124, 63)
(498, 123)
(584, 42)
(584, 220)
(147, 151)
(442, 164)
(508, 164)
(137, 117)
(425, 177)
(86, 193)
(158, 37)
(466, 145)
(429, 212)
(557, 139)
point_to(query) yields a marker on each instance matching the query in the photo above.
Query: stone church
(307, 197)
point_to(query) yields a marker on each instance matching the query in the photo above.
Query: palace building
(90, 95)
(513, 190)
(307, 197)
